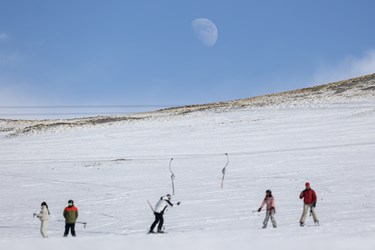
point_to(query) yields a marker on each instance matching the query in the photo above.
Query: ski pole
(256, 212)
(81, 222)
(77, 222)
(151, 206)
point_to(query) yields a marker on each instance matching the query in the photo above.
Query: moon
(205, 30)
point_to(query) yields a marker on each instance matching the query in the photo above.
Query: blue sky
(145, 52)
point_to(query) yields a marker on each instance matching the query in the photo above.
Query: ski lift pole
(224, 170)
(172, 176)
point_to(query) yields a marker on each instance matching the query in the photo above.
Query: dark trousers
(158, 219)
(70, 227)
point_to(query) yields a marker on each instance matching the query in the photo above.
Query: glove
(314, 204)
(259, 209)
(178, 203)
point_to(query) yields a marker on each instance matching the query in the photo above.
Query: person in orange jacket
(309, 202)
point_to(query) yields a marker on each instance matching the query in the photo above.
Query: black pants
(72, 229)
(158, 219)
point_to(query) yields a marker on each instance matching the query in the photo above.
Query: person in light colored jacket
(43, 215)
(159, 210)
(269, 201)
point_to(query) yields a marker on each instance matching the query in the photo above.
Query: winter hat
(70, 203)
(307, 184)
(268, 191)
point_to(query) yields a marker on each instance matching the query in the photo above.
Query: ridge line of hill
(355, 89)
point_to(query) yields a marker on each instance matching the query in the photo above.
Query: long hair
(45, 204)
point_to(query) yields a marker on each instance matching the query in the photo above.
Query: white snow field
(112, 169)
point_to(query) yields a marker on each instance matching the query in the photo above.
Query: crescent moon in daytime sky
(205, 30)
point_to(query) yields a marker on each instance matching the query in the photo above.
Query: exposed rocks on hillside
(355, 89)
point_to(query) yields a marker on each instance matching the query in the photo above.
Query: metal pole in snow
(224, 170)
(172, 176)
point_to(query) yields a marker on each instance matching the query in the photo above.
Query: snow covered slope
(110, 169)
(349, 91)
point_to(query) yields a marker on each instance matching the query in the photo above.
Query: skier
(70, 215)
(309, 201)
(159, 210)
(43, 216)
(269, 201)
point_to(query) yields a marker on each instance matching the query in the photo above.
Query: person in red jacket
(309, 201)
(70, 215)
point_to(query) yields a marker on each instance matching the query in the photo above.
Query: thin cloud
(351, 67)
(3, 36)
(12, 96)
(15, 92)
(10, 59)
